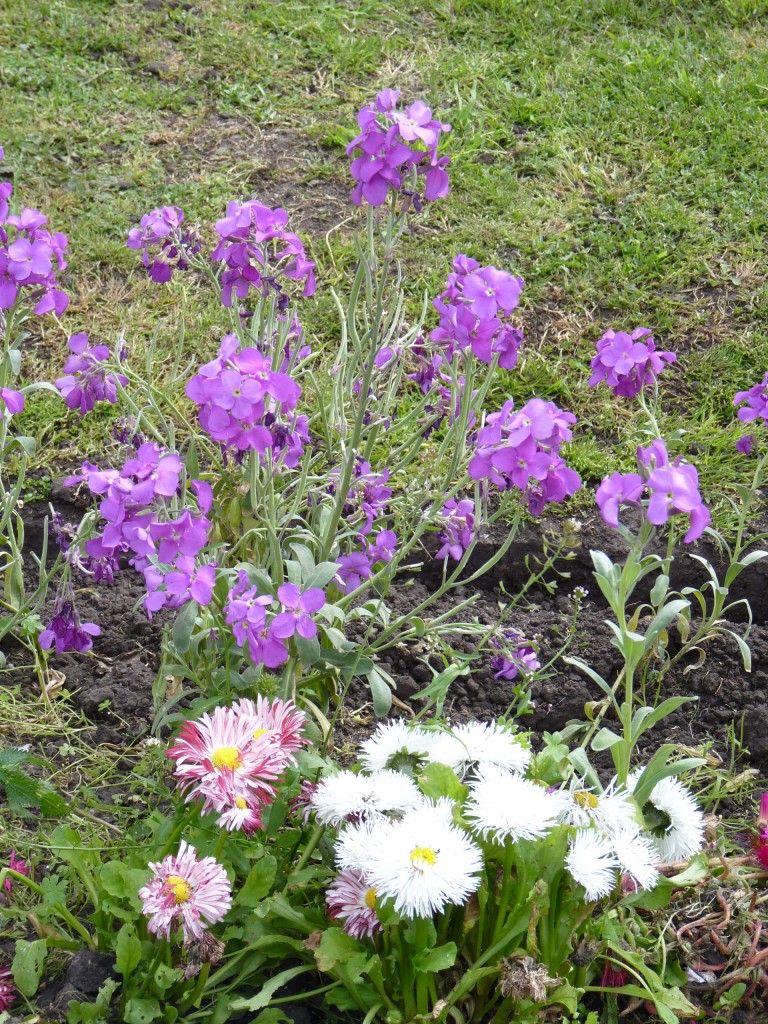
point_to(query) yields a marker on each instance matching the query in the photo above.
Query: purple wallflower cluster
(257, 250)
(457, 522)
(162, 545)
(626, 363)
(30, 258)
(391, 143)
(368, 495)
(474, 309)
(522, 450)
(670, 487)
(86, 382)
(65, 631)
(263, 632)
(516, 655)
(246, 405)
(357, 566)
(164, 247)
(754, 402)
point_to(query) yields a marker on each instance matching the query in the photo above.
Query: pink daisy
(240, 810)
(7, 989)
(219, 754)
(280, 721)
(352, 899)
(188, 891)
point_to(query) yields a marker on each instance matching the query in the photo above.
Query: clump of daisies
(434, 828)
(232, 759)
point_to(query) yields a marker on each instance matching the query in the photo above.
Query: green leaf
(380, 692)
(321, 575)
(308, 649)
(258, 884)
(605, 739)
(123, 882)
(336, 947)
(166, 977)
(659, 589)
(439, 780)
(183, 626)
(438, 959)
(142, 1011)
(28, 963)
(127, 950)
(268, 989)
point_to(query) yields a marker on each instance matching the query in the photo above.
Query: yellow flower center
(226, 757)
(588, 801)
(261, 732)
(423, 857)
(370, 899)
(180, 887)
(241, 803)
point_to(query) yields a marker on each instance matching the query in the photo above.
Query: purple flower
(673, 487)
(458, 528)
(676, 489)
(517, 655)
(393, 143)
(473, 309)
(256, 248)
(299, 608)
(164, 247)
(86, 382)
(522, 450)
(246, 611)
(354, 568)
(65, 629)
(11, 402)
(30, 259)
(240, 399)
(626, 363)
(745, 444)
(616, 490)
(756, 402)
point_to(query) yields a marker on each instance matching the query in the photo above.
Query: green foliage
(23, 792)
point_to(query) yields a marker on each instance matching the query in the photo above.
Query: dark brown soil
(113, 684)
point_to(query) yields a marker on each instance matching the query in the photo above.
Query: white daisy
(348, 795)
(503, 806)
(480, 744)
(612, 811)
(394, 744)
(678, 831)
(357, 844)
(425, 863)
(637, 856)
(592, 863)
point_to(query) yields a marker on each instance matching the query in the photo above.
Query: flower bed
(273, 505)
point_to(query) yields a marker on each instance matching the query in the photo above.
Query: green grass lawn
(610, 152)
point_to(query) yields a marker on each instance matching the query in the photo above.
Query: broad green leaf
(183, 626)
(258, 883)
(142, 1011)
(439, 780)
(127, 950)
(438, 959)
(659, 589)
(28, 963)
(336, 947)
(605, 739)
